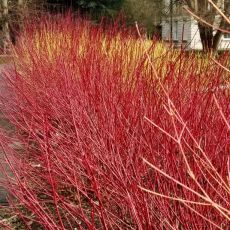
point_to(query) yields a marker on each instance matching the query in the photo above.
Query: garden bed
(112, 128)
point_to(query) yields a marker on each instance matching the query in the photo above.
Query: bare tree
(210, 36)
(12, 14)
(18, 13)
(5, 25)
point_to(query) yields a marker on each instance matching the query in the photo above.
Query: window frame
(176, 30)
(226, 36)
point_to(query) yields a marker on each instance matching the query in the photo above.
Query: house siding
(224, 44)
(165, 30)
(187, 28)
(186, 31)
(194, 40)
(180, 28)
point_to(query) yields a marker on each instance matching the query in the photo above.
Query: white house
(185, 30)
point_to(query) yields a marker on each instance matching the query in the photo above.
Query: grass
(114, 127)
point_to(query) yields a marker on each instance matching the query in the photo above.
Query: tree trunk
(211, 41)
(216, 40)
(20, 11)
(16, 24)
(206, 36)
(5, 26)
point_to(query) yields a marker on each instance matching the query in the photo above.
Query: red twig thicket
(115, 133)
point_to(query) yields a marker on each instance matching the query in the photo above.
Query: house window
(227, 36)
(175, 30)
(185, 30)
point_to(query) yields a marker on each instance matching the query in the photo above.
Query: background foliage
(96, 8)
